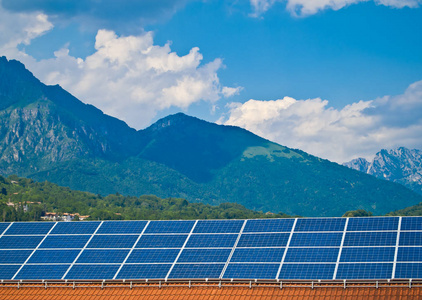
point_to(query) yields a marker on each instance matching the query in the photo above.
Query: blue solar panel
(153, 256)
(263, 240)
(3, 227)
(8, 271)
(307, 271)
(162, 241)
(147, 271)
(121, 227)
(42, 272)
(364, 271)
(409, 254)
(311, 255)
(20, 242)
(14, 256)
(65, 241)
(373, 224)
(102, 256)
(218, 226)
(370, 239)
(112, 241)
(204, 255)
(320, 224)
(211, 240)
(75, 227)
(54, 256)
(411, 223)
(92, 272)
(169, 226)
(257, 255)
(30, 228)
(368, 254)
(192, 271)
(408, 270)
(251, 271)
(409, 239)
(269, 225)
(316, 239)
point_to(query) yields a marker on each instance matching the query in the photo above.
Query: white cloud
(310, 7)
(357, 130)
(131, 78)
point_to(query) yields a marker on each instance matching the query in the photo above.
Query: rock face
(399, 165)
(47, 134)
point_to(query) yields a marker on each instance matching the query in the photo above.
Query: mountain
(47, 134)
(399, 165)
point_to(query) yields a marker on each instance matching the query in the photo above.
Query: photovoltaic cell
(408, 270)
(204, 255)
(30, 228)
(193, 271)
(211, 240)
(218, 226)
(307, 271)
(64, 241)
(42, 272)
(312, 255)
(146, 271)
(92, 272)
(153, 256)
(14, 256)
(368, 254)
(75, 227)
(102, 256)
(269, 225)
(364, 271)
(3, 227)
(257, 255)
(411, 223)
(320, 224)
(20, 242)
(406, 239)
(370, 239)
(8, 271)
(409, 254)
(122, 227)
(112, 241)
(162, 241)
(169, 226)
(251, 271)
(263, 240)
(53, 256)
(373, 224)
(316, 239)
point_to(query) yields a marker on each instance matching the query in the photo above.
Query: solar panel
(317, 248)
(194, 271)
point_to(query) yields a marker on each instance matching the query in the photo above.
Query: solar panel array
(303, 249)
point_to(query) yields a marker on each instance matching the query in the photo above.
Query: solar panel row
(314, 248)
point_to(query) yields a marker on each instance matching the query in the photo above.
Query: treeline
(22, 199)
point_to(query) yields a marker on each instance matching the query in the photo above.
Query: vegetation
(357, 213)
(31, 200)
(415, 210)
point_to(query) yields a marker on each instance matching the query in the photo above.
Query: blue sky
(339, 79)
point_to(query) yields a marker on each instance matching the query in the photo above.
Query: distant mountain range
(47, 134)
(400, 165)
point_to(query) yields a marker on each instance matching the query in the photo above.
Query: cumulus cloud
(310, 7)
(358, 130)
(131, 78)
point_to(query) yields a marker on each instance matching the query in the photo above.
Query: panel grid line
(341, 248)
(233, 249)
(287, 248)
(393, 273)
(180, 252)
(33, 251)
(131, 250)
(82, 250)
(3, 233)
